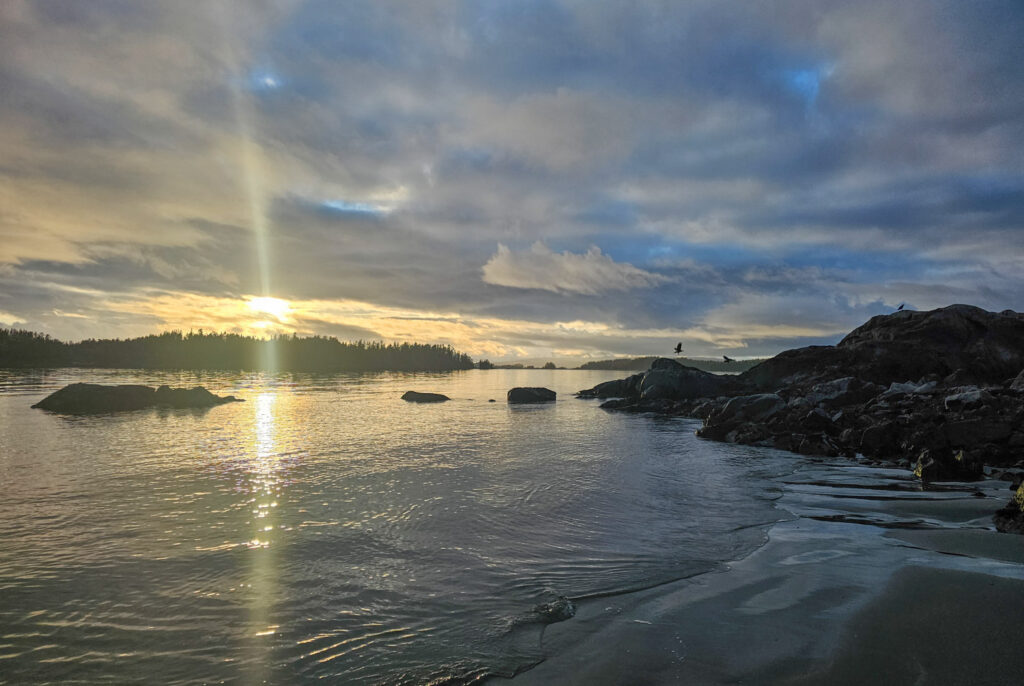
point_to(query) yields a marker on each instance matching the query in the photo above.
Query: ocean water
(327, 531)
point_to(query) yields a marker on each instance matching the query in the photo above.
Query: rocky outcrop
(619, 388)
(531, 395)
(982, 347)
(940, 393)
(417, 397)
(666, 380)
(86, 398)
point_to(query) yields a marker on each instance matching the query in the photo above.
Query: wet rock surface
(558, 610)
(86, 398)
(531, 395)
(940, 393)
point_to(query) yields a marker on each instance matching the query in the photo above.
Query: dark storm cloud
(783, 169)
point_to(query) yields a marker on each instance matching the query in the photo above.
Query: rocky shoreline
(939, 392)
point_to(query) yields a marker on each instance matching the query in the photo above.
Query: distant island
(642, 364)
(226, 351)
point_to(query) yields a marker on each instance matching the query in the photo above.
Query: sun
(275, 307)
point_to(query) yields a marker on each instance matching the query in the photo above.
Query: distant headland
(642, 364)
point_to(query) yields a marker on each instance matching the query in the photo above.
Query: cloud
(724, 158)
(8, 319)
(589, 273)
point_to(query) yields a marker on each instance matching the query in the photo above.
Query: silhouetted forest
(642, 364)
(175, 350)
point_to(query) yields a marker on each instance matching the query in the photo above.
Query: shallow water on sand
(326, 529)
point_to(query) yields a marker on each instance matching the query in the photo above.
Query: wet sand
(917, 592)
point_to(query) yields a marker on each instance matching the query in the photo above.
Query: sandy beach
(912, 588)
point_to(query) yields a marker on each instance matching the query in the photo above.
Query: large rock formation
(983, 347)
(940, 392)
(87, 398)
(665, 380)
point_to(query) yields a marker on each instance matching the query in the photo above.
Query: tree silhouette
(199, 350)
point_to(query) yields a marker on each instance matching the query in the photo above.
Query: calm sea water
(325, 529)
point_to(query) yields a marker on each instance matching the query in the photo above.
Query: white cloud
(8, 319)
(589, 273)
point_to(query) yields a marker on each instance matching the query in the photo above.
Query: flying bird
(679, 348)
(727, 358)
(900, 308)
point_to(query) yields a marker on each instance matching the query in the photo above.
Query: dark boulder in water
(531, 395)
(87, 398)
(417, 397)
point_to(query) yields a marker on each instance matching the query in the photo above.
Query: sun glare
(275, 307)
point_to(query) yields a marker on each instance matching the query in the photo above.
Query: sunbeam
(252, 172)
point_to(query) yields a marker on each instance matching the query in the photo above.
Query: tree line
(228, 351)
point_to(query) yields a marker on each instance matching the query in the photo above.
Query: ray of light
(252, 172)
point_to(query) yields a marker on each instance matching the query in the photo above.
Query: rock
(665, 380)
(1018, 383)
(847, 390)
(945, 465)
(987, 346)
(197, 396)
(967, 397)
(619, 388)
(909, 388)
(817, 420)
(880, 440)
(960, 377)
(736, 418)
(752, 408)
(672, 381)
(1010, 519)
(417, 397)
(86, 398)
(817, 445)
(557, 610)
(967, 433)
(531, 395)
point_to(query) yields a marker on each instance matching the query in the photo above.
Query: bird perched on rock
(679, 348)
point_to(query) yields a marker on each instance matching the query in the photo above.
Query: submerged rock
(87, 398)
(417, 397)
(531, 395)
(557, 610)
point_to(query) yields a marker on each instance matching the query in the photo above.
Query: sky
(521, 179)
